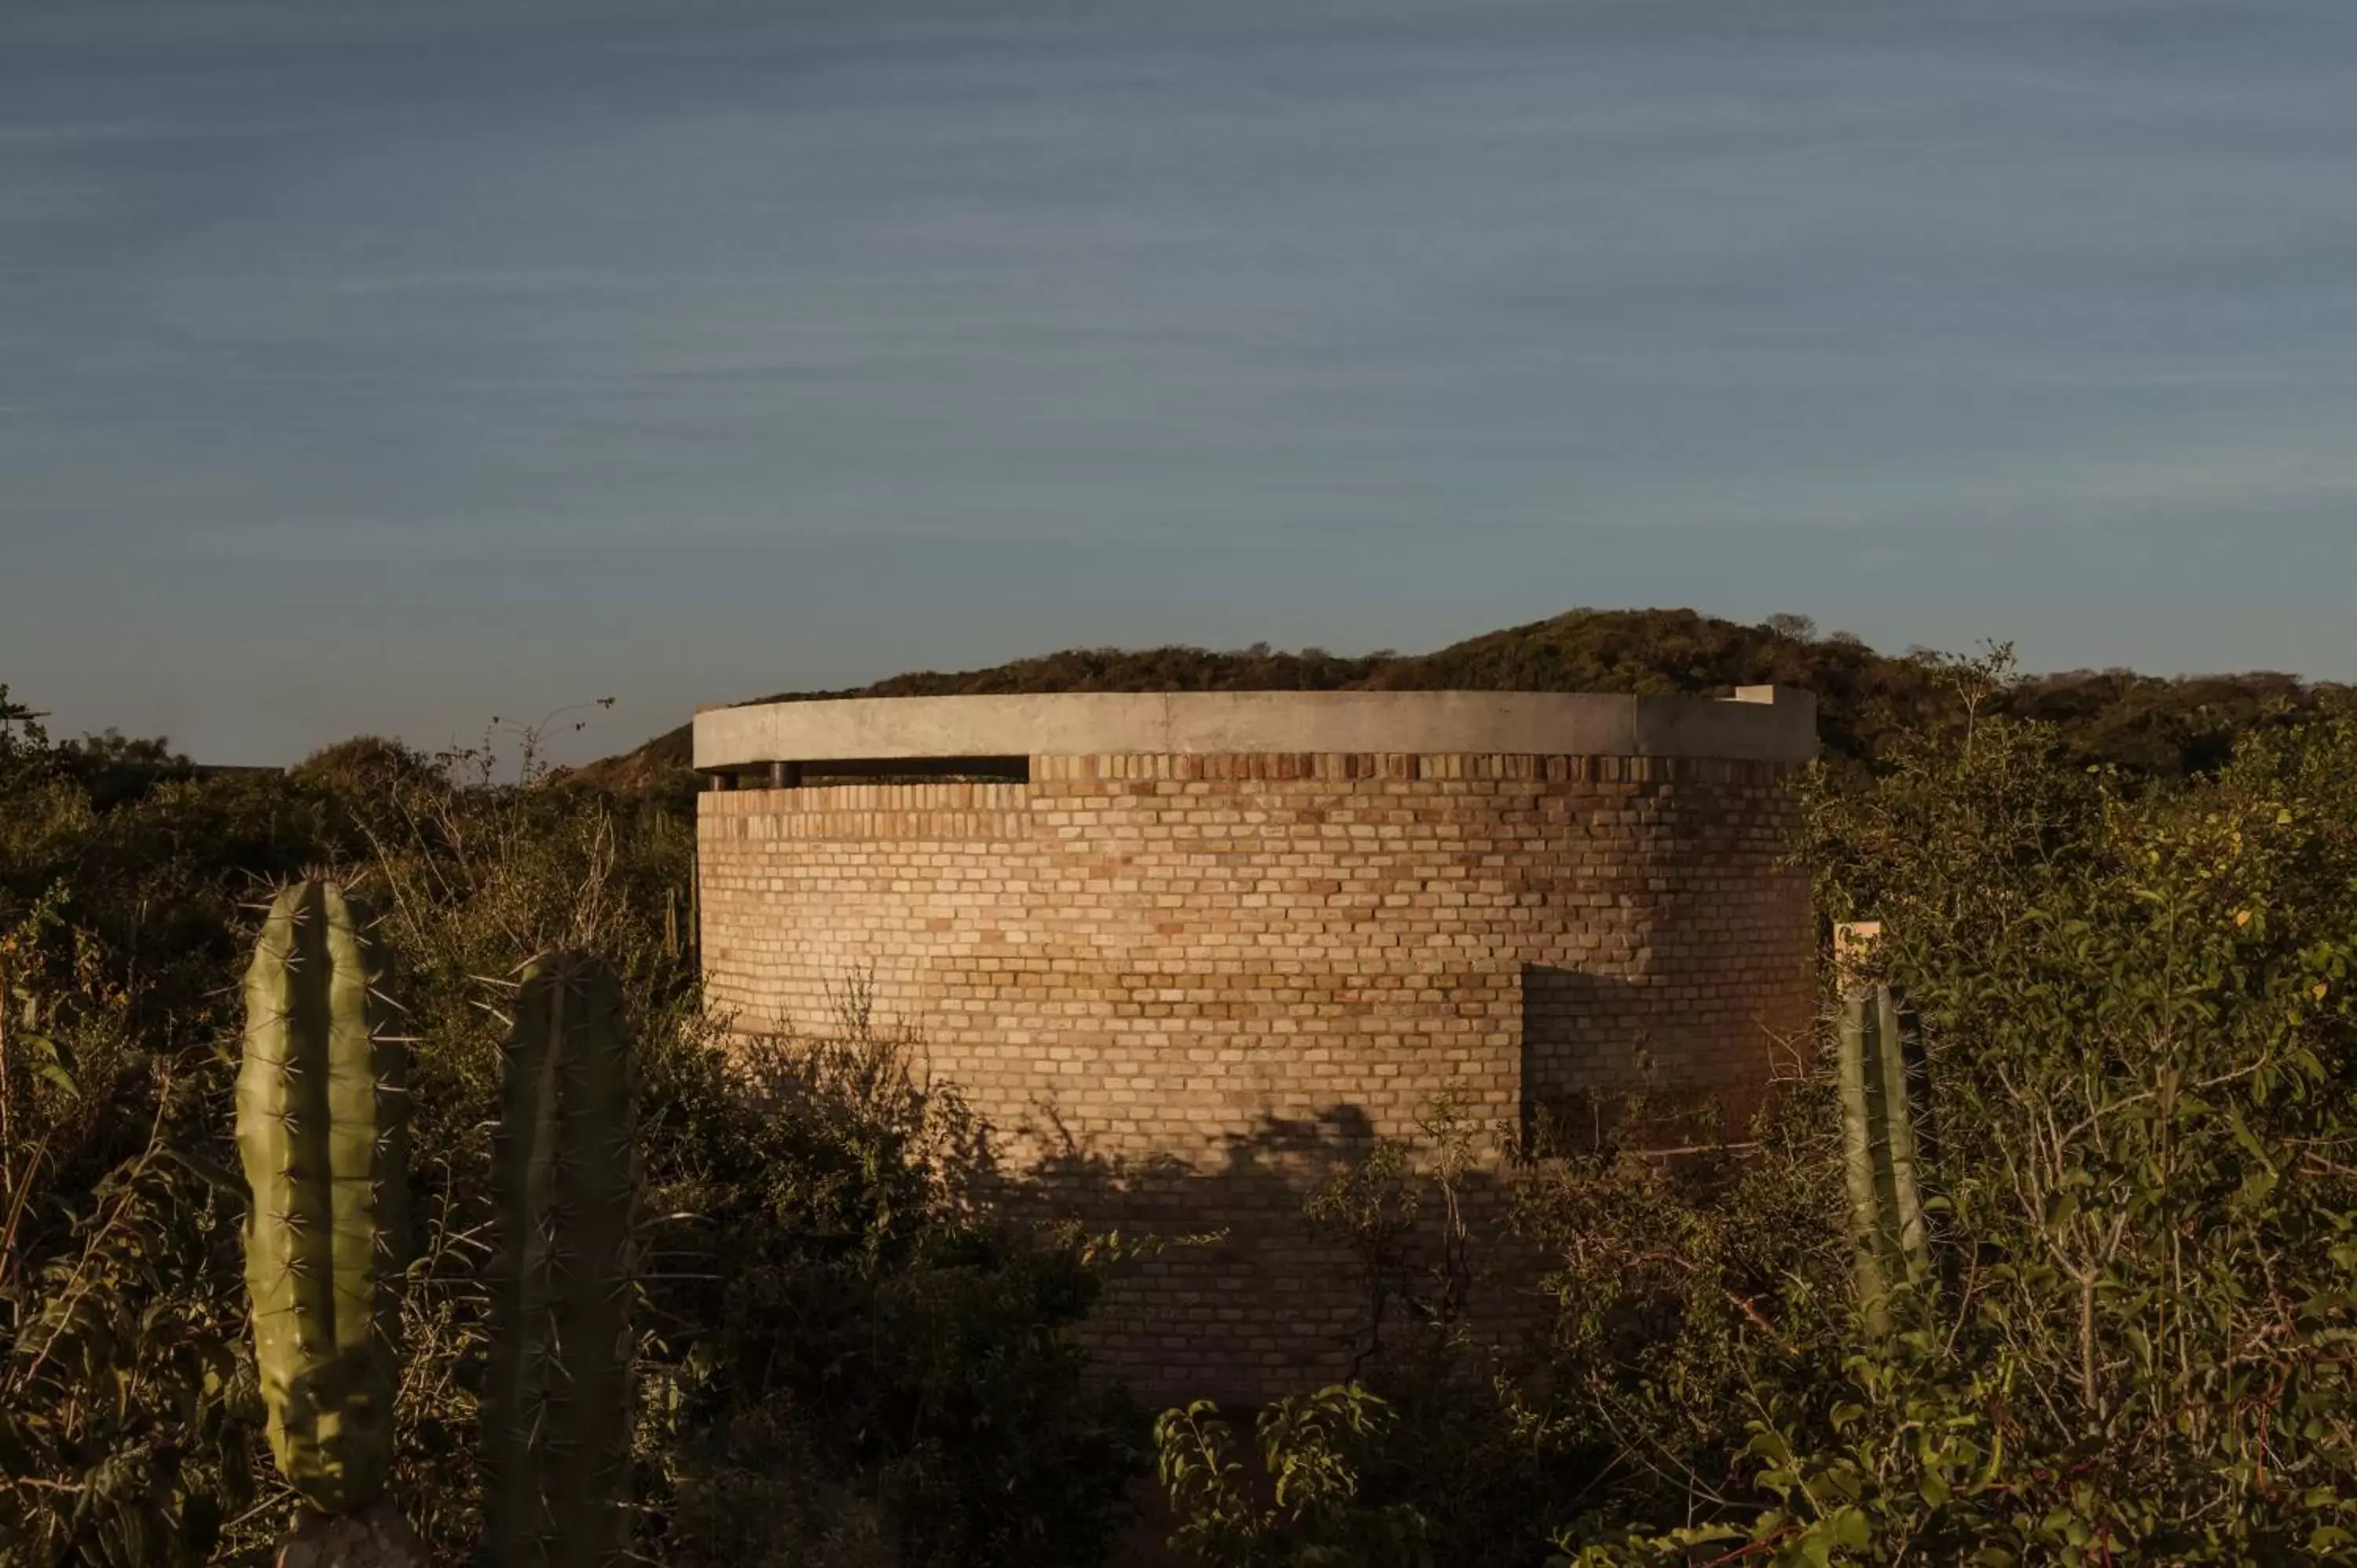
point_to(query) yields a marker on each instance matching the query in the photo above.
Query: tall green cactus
(558, 1412)
(1880, 1110)
(321, 1104)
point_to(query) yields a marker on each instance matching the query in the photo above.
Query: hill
(2149, 726)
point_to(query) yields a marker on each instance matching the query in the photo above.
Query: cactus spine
(320, 1110)
(557, 1416)
(1880, 1109)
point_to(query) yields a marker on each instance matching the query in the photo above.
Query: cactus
(1880, 1109)
(320, 1109)
(557, 1409)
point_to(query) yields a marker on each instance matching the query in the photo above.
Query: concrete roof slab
(1762, 723)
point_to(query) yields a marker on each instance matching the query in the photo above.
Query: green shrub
(2135, 1338)
(842, 1357)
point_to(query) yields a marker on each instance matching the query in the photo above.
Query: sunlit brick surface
(1184, 987)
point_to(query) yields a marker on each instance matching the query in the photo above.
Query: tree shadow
(1603, 1062)
(1239, 1296)
(1229, 1287)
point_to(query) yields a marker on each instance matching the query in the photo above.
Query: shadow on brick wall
(1245, 1297)
(1596, 1069)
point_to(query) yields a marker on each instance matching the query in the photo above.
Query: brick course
(1182, 987)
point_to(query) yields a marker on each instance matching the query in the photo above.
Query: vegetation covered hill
(2149, 726)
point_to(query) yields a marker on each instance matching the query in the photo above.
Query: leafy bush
(2139, 1036)
(846, 1359)
(2134, 1003)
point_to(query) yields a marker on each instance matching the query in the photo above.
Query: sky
(387, 368)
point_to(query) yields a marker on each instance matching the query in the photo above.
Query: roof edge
(1775, 724)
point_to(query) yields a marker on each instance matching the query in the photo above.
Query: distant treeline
(2147, 726)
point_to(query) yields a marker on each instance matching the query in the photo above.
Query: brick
(1183, 988)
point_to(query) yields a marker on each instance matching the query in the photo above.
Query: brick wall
(1186, 987)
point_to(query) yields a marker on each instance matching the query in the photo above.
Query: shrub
(2143, 1183)
(844, 1357)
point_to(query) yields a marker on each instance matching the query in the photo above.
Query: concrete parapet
(1762, 725)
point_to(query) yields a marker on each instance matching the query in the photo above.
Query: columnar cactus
(1879, 1112)
(557, 1411)
(320, 1110)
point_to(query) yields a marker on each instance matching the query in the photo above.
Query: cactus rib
(1880, 1149)
(321, 1114)
(558, 1411)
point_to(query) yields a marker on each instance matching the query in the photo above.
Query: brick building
(1189, 952)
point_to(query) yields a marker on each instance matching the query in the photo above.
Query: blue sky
(386, 366)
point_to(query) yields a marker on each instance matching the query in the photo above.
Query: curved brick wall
(1185, 985)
